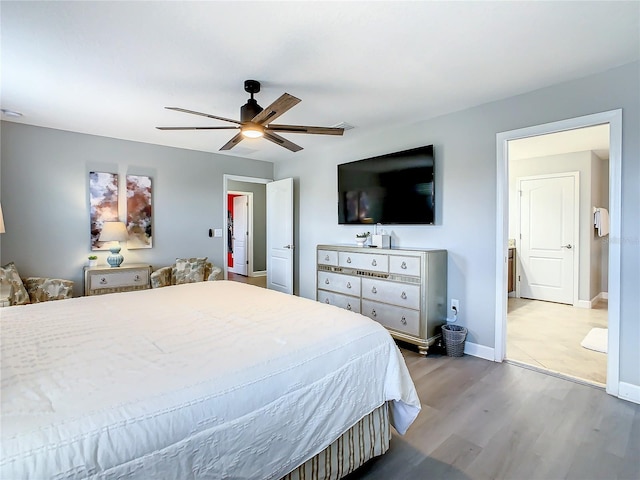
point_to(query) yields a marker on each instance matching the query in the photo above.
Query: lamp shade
(113, 231)
(1, 221)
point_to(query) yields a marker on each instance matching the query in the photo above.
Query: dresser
(125, 278)
(404, 290)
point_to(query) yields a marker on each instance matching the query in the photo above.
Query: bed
(205, 380)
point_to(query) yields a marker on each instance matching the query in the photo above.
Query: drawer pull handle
(348, 284)
(348, 306)
(404, 265)
(403, 320)
(373, 312)
(326, 258)
(326, 300)
(103, 281)
(403, 296)
(348, 259)
(374, 263)
(374, 290)
(136, 278)
(326, 281)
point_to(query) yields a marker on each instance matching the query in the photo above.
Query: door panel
(240, 229)
(280, 235)
(547, 245)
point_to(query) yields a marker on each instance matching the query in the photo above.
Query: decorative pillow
(161, 277)
(9, 273)
(188, 270)
(45, 289)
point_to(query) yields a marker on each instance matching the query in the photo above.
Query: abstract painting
(103, 198)
(139, 211)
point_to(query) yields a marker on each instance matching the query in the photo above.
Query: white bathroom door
(280, 235)
(240, 233)
(548, 230)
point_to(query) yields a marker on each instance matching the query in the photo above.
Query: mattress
(205, 380)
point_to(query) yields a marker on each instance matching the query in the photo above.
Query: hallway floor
(548, 335)
(257, 281)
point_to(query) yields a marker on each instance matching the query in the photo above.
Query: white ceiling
(109, 68)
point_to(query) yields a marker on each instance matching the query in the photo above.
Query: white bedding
(206, 380)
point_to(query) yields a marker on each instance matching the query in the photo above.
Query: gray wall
(465, 152)
(45, 177)
(259, 191)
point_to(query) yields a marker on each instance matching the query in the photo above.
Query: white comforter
(207, 380)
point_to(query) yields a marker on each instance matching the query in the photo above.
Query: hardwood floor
(485, 420)
(257, 281)
(547, 335)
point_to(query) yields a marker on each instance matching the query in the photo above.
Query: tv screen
(397, 188)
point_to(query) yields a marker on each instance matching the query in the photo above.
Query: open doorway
(614, 119)
(557, 306)
(246, 250)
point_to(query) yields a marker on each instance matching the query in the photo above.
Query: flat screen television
(397, 188)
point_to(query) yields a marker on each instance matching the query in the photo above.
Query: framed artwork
(103, 199)
(139, 224)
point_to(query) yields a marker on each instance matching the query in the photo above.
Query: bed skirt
(366, 439)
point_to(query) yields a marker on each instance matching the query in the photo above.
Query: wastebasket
(453, 338)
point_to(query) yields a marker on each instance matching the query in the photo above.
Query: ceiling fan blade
(277, 108)
(233, 142)
(306, 129)
(197, 128)
(283, 142)
(184, 110)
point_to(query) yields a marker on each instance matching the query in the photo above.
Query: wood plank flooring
(548, 335)
(486, 420)
(257, 281)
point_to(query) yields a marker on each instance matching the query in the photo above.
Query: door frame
(225, 207)
(576, 228)
(614, 119)
(249, 242)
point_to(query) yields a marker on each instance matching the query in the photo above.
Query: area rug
(596, 340)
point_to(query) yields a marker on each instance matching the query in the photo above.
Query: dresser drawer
(401, 294)
(328, 257)
(396, 318)
(337, 282)
(364, 261)
(402, 265)
(343, 301)
(118, 279)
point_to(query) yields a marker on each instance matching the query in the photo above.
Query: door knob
(567, 246)
(289, 247)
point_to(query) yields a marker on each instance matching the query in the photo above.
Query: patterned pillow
(188, 270)
(9, 274)
(45, 289)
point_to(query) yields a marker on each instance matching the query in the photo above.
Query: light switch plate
(217, 232)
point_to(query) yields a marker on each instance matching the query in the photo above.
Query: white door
(280, 235)
(548, 230)
(240, 233)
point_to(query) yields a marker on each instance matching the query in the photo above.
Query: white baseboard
(480, 351)
(593, 301)
(259, 273)
(630, 392)
(584, 304)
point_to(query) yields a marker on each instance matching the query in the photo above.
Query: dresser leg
(422, 350)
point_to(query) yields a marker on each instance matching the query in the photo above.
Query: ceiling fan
(255, 121)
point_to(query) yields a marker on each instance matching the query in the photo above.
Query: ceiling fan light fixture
(252, 130)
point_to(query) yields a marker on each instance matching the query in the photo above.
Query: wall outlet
(455, 306)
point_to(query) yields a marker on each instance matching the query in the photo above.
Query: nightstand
(126, 278)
